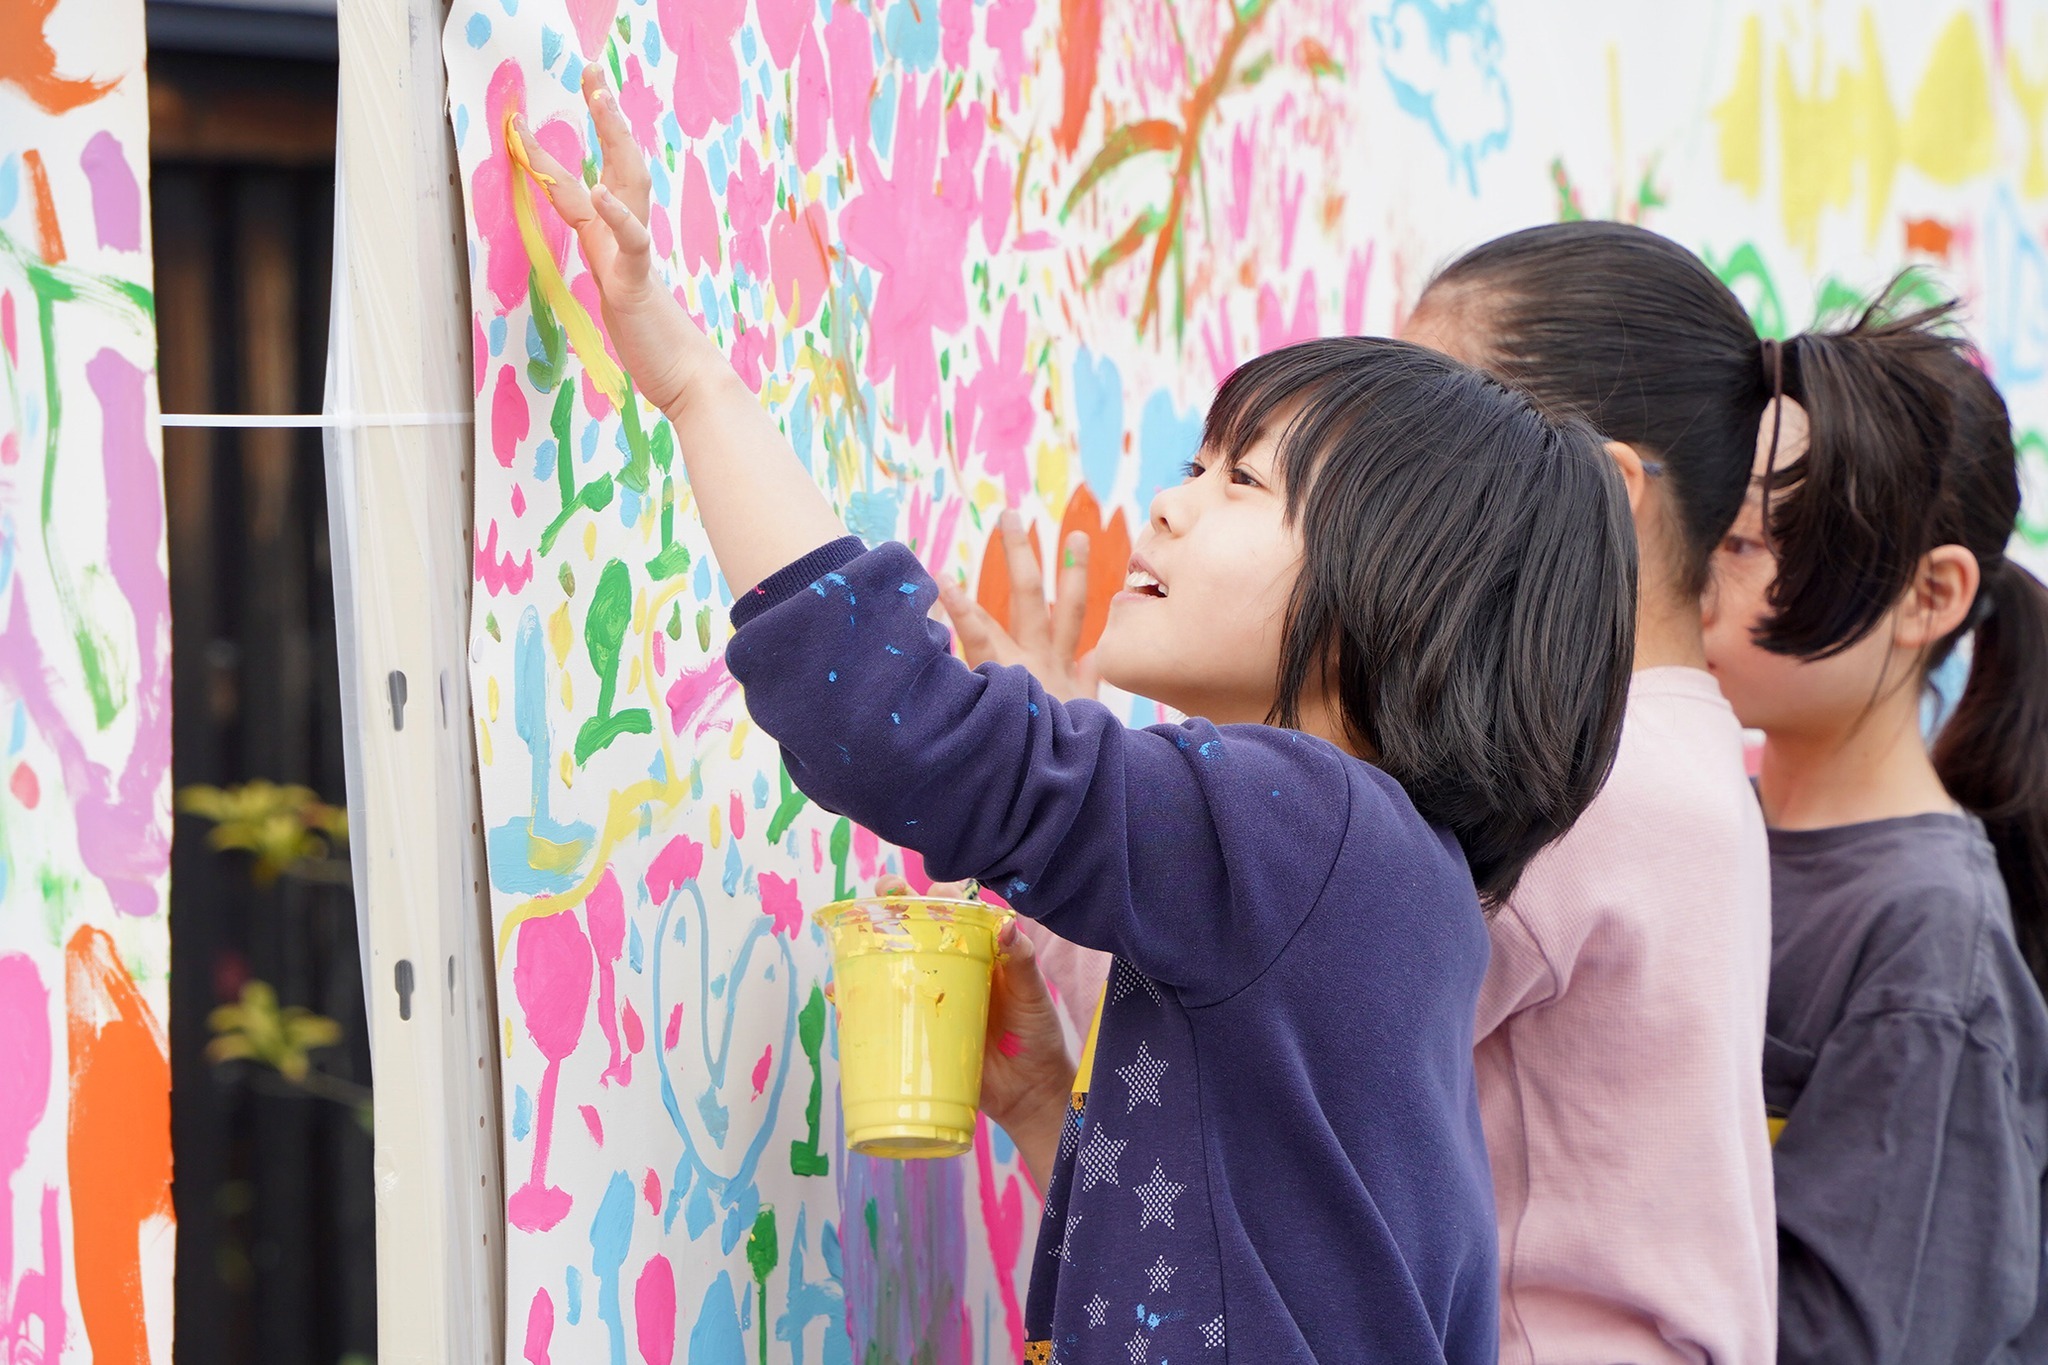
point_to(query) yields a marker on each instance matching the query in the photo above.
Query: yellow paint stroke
(1613, 120)
(590, 541)
(545, 855)
(1741, 114)
(1825, 136)
(740, 728)
(1951, 133)
(717, 833)
(623, 813)
(1052, 477)
(2032, 97)
(568, 692)
(491, 698)
(483, 744)
(583, 335)
(560, 633)
(1840, 136)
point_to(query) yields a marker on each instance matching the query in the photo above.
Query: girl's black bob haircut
(1468, 583)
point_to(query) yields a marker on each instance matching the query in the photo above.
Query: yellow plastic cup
(912, 983)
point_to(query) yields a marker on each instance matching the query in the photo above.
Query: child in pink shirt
(1620, 1028)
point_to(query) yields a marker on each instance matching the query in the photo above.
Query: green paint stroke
(762, 1257)
(672, 559)
(841, 845)
(595, 495)
(604, 634)
(545, 370)
(786, 809)
(634, 475)
(805, 1158)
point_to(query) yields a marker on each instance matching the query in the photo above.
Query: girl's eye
(1241, 475)
(1740, 546)
(1192, 470)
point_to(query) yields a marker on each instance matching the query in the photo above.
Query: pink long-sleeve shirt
(1620, 1059)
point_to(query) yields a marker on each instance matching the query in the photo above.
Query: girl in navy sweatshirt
(1400, 602)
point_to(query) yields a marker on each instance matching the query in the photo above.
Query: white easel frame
(400, 503)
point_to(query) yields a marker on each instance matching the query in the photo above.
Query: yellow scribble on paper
(739, 737)
(1052, 477)
(717, 835)
(546, 855)
(568, 769)
(568, 692)
(491, 698)
(584, 338)
(1740, 115)
(1826, 135)
(560, 633)
(1840, 136)
(590, 540)
(483, 744)
(633, 677)
(508, 1037)
(2031, 95)
(1951, 135)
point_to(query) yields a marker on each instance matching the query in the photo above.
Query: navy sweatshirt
(1280, 1158)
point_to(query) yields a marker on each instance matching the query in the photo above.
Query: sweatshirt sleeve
(1908, 1201)
(1192, 852)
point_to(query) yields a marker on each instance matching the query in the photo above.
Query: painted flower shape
(490, 189)
(707, 72)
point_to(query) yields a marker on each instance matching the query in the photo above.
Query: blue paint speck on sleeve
(1034, 707)
(908, 589)
(832, 676)
(1211, 749)
(895, 719)
(892, 649)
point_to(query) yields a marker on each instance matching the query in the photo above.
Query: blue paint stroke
(1443, 63)
(509, 845)
(807, 1300)
(2015, 305)
(611, 1237)
(716, 1339)
(1167, 439)
(1099, 412)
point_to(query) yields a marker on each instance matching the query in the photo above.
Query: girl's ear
(1630, 462)
(1939, 598)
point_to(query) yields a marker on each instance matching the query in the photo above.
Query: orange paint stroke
(120, 1141)
(49, 237)
(1109, 558)
(1080, 44)
(1931, 236)
(27, 60)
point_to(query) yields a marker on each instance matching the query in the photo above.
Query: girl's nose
(1172, 509)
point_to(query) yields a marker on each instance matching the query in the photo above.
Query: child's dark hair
(1913, 449)
(1468, 583)
(1635, 333)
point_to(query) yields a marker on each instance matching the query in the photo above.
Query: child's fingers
(1028, 624)
(889, 884)
(625, 169)
(1070, 609)
(981, 639)
(636, 248)
(567, 194)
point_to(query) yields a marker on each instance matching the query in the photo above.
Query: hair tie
(1772, 353)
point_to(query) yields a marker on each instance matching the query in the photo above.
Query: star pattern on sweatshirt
(1157, 1195)
(1098, 1311)
(1212, 1333)
(1143, 1076)
(1128, 979)
(1098, 1158)
(1065, 1250)
(1139, 1347)
(1161, 1274)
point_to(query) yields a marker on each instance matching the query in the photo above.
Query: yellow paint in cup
(912, 983)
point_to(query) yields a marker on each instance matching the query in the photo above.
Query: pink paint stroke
(849, 46)
(116, 198)
(502, 573)
(916, 241)
(679, 861)
(698, 695)
(994, 415)
(1002, 1216)
(707, 85)
(123, 832)
(760, 1073)
(607, 912)
(780, 903)
(593, 1121)
(654, 1311)
(551, 978)
(813, 102)
(540, 1328)
(24, 1086)
(592, 20)
(509, 422)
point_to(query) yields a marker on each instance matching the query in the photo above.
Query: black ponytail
(1992, 755)
(1637, 335)
(1851, 515)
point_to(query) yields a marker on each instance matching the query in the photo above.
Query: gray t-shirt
(1906, 1053)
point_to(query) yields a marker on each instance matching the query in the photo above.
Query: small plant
(288, 828)
(292, 833)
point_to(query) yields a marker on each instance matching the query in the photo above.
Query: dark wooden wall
(276, 1250)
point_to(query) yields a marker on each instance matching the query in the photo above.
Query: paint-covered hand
(659, 345)
(1044, 638)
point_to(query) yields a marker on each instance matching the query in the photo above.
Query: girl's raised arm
(759, 505)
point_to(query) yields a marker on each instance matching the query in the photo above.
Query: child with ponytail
(1906, 1055)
